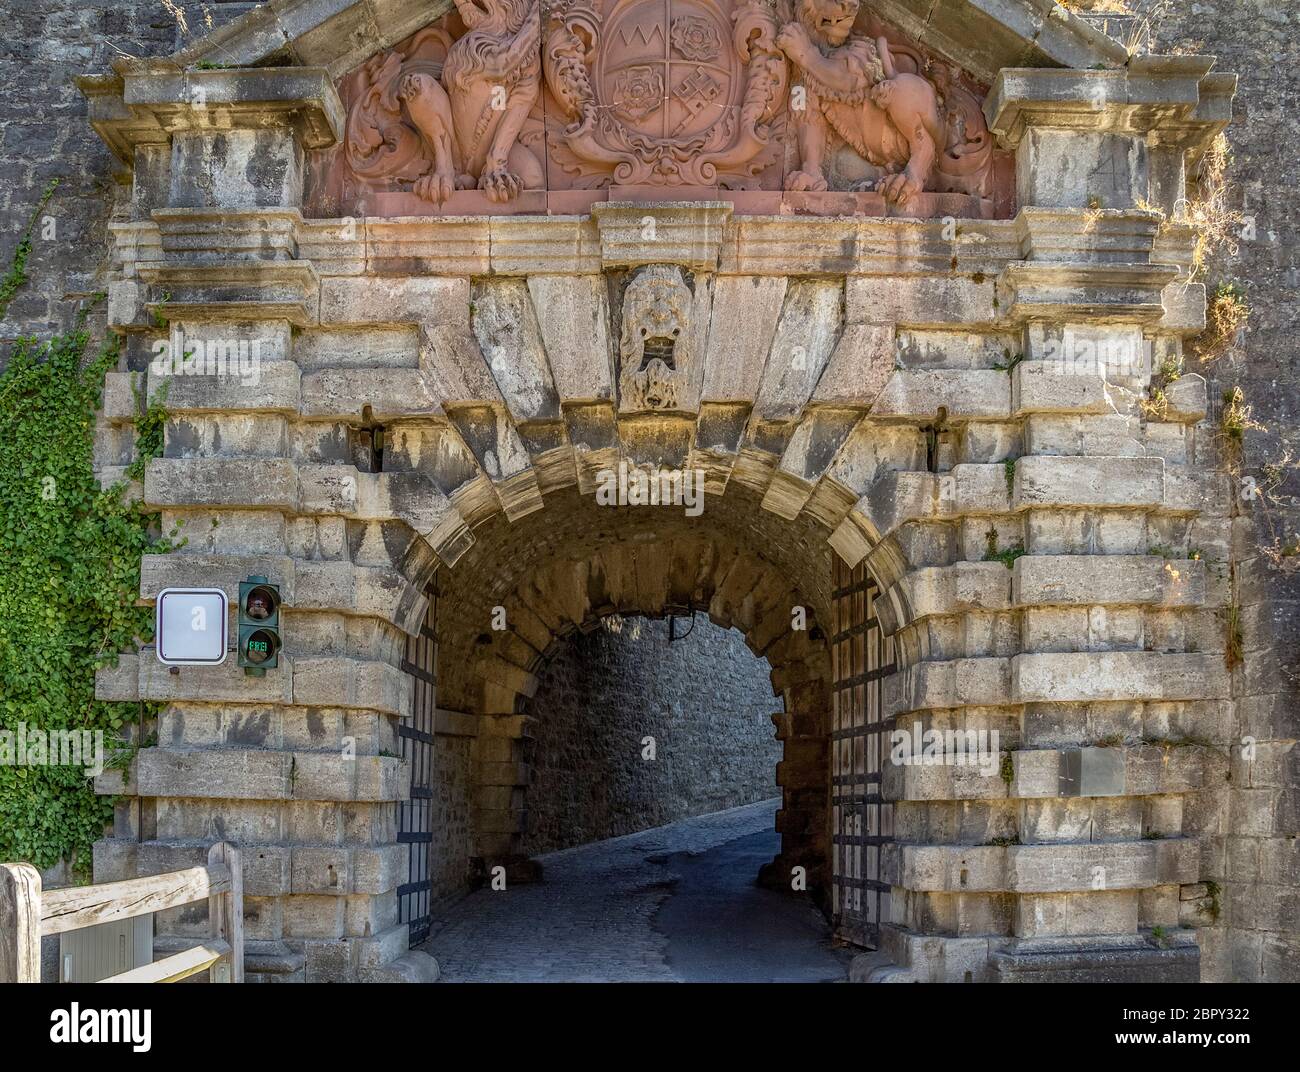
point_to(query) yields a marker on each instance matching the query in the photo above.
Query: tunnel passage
(642, 722)
(526, 586)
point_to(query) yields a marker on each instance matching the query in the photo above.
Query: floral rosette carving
(694, 37)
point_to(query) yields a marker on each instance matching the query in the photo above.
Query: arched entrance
(955, 405)
(525, 585)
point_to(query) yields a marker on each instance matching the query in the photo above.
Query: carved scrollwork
(506, 94)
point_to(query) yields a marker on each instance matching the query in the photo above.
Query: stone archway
(594, 562)
(955, 405)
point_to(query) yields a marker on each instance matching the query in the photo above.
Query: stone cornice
(683, 232)
(1098, 293)
(1174, 100)
(574, 245)
(233, 290)
(986, 35)
(1125, 236)
(337, 34)
(1045, 265)
(146, 103)
(982, 36)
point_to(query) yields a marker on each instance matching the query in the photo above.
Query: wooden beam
(176, 967)
(75, 907)
(20, 924)
(226, 914)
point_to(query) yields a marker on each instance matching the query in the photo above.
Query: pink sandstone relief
(536, 106)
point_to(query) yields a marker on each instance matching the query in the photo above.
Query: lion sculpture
(468, 110)
(895, 120)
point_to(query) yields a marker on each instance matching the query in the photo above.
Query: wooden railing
(26, 915)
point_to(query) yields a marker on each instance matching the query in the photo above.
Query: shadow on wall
(633, 731)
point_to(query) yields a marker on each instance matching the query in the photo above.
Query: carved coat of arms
(504, 97)
(655, 92)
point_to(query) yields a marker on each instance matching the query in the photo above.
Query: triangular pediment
(825, 107)
(980, 36)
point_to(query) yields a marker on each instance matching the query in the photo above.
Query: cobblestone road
(674, 904)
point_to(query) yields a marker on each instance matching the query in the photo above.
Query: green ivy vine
(70, 555)
(17, 274)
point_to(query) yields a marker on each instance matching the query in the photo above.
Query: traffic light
(259, 626)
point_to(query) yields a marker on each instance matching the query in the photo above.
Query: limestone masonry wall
(1254, 852)
(706, 700)
(954, 405)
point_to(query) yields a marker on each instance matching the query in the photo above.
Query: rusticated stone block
(389, 393)
(1087, 580)
(1088, 482)
(974, 394)
(394, 301)
(182, 569)
(342, 682)
(573, 319)
(1074, 915)
(249, 384)
(226, 682)
(1118, 675)
(954, 683)
(321, 870)
(333, 776)
(258, 483)
(225, 774)
(1186, 399)
(1045, 387)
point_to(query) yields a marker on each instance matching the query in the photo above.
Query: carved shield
(667, 67)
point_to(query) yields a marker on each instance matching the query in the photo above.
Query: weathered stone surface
(1138, 675)
(573, 317)
(963, 395)
(1065, 482)
(394, 301)
(1041, 386)
(496, 396)
(1123, 579)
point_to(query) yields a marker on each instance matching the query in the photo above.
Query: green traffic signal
(259, 625)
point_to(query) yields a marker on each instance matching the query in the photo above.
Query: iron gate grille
(415, 816)
(861, 821)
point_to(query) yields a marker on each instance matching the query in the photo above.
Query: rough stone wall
(44, 135)
(1253, 852)
(706, 700)
(453, 775)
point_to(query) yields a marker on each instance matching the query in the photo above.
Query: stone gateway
(861, 273)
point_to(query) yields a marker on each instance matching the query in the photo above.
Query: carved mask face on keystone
(651, 348)
(829, 21)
